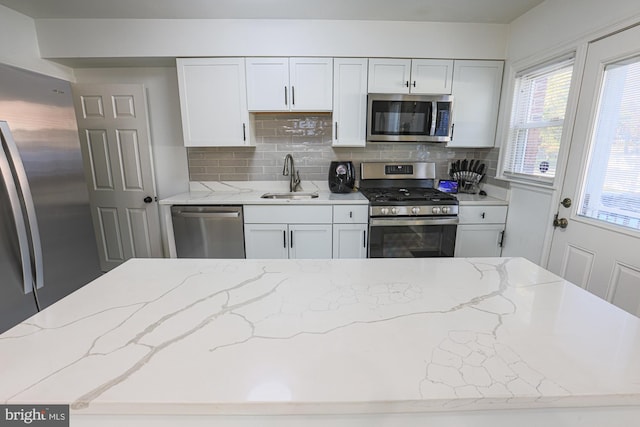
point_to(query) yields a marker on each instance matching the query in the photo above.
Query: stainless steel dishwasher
(208, 231)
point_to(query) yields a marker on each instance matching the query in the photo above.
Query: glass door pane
(611, 190)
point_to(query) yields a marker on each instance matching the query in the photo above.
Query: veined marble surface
(183, 336)
(249, 192)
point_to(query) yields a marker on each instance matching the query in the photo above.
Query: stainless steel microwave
(409, 118)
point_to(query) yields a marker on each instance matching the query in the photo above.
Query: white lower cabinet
(273, 232)
(480, 231)
(311, 232)
(350, 227)
(350, 240)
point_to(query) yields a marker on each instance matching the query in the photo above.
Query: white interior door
(600, 247)
(114, 136)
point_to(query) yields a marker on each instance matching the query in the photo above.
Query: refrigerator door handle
(14, 201)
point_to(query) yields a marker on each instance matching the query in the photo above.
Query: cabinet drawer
(482, 214)
(270, 214)
(350, 214)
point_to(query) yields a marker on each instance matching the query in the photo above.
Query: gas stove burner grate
(423, 196)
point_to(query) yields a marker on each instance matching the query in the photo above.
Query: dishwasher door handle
(212, 215)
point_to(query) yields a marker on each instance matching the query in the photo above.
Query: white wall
(118, 38)
(19, 46)
(556, 23)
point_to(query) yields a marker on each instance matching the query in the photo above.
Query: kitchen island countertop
(373, 339)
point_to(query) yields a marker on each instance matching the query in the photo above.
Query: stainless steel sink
(291, 196)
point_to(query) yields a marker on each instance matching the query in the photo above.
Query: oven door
(412, 237)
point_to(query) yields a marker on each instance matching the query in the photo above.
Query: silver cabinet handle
(336, 136)
(11, 164)
(284, 238)
(244, 131)
(285, 96)
(293, 95)
(364, 239)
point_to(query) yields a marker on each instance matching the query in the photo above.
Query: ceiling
(478, 11)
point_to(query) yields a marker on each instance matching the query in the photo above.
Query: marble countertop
(249, 192)
(161, 336)
(476, 199)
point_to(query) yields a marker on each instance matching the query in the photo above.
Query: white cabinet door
(480, 230)
(350, 102)
(311, 81)
(310, 241)
(481, 240)
(266, 241)
(419, 76)
(289, 84)
(213, 101)
(476, 97)
(350, 240)
(389, 75)
(431, 76)
(268, 84)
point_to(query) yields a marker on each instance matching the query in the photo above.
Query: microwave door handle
(434, 117)
(18, 217)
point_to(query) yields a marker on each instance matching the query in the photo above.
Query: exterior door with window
(600, 247)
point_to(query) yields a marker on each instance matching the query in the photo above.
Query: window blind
(537, 120)
(611, 191)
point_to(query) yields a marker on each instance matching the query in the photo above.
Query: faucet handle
(296, 182)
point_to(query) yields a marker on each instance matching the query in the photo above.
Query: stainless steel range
(408, 216)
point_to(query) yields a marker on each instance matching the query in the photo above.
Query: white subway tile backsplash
(308, 138)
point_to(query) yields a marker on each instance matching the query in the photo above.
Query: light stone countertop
(475, 199)
(370, 336)
(249, 192)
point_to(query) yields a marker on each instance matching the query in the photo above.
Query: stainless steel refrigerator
(46, 235)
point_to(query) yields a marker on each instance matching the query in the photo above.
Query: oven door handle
(401, 222)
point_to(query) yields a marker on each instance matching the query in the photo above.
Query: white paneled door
(116, 150)
(599, 246)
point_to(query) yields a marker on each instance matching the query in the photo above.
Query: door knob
(566, 202)
(147, 199)
(560, 222)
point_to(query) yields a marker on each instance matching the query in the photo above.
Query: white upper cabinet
(476, 97)
(389, 75)
(431, 76)
(350, 102)
(418, 76)
(289, 84)
(213, 101)
(311, 84)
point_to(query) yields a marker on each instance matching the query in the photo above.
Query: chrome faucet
(290, 170)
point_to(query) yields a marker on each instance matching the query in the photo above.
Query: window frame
(517, 70)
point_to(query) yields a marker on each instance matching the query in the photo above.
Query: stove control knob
(445, 210)
(415, 210)
(384, 211)
(435, 210)
(394, 211)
